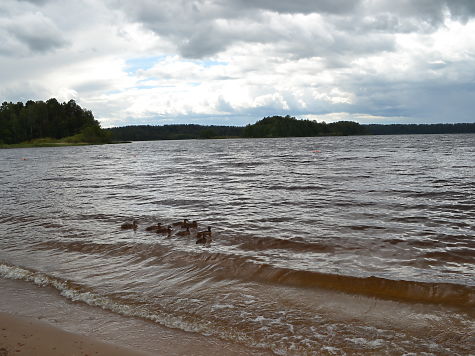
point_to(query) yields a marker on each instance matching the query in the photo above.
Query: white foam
(222, 306)
(75, 294)
(96, 300)
(332, 350)
(365, 342)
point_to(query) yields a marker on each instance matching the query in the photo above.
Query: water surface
(333, 245)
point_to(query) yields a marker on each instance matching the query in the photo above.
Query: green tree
(39, 119)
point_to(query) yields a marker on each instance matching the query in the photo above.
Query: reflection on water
(316, 241)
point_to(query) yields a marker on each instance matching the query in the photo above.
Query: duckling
(204, 237)
(127, 226)
(201, 240)
(153, 227)
(162, 230)
(181, 223)
(193, 225)
(206, 233)
(184, 233)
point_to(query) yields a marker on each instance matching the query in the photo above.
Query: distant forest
(413, 129)
(279, 126)
(38, 119)
(20, 123)
(172, 132)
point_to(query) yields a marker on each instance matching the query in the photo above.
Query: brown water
(335, 245)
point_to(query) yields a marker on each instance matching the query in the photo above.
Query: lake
(323, 245)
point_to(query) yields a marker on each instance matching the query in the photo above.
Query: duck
(193, 225)
(127, 226)
(181, 223)
(153, 227)
(163, 229)
(201, 240)
(184, 233)
(204, 237)
(204, 233)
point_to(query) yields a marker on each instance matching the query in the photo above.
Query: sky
(233, 62)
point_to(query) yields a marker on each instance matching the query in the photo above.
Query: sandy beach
(28, 336)
(35, 320)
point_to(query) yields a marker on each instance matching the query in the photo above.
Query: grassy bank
(45, 144)
(51, 142)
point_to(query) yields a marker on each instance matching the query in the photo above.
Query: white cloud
(217, 61)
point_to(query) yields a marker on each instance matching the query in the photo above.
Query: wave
(459, 255)
(411, 219)
(365, 227)
(398, 290)
(450, 194)
(80, 293)
(148, 249)
(288, 245)
(245, 268)
(296, 187)
(128, 307)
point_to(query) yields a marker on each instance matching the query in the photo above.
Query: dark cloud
(377, 57)
(199, 29)
(462, 9)
(28, 33)
(205, 28)
(37, 41)
(301, 6)
(35, 2)
(431, 12)
(201, 44)
(437, 100)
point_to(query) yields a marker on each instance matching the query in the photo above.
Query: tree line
(275, 126)
(280, 126)
(414, 129)
(173, 132)
(287, 126)
(39, 119)
(69, 122)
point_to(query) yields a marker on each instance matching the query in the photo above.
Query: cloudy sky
(232, 62)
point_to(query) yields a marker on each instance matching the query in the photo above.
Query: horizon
(231, 63)
(243, 126)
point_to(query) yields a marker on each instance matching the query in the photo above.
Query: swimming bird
(204, 236)
(127, 226)
(164, 229)
(204, 233)
(193, 225)
(181, 223)
(184, 233)
(153, 227)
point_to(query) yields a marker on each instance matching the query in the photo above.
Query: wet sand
(28, 336)
(79, 329)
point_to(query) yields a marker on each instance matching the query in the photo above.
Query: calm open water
(333, 245)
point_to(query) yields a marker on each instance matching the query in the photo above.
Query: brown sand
(27, 302)
(24, 336)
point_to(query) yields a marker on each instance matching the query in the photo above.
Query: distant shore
(278, 126)
(55, 144)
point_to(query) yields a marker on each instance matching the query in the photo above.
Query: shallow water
(334, 245)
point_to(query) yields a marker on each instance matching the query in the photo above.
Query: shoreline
(28, 336)
(27, 303)
(57, 144)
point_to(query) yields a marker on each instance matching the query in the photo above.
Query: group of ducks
(202, 237)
